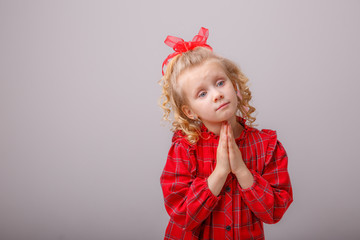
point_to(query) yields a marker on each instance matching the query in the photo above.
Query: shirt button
(228, 189)
(228, 228)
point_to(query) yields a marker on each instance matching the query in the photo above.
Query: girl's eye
(221, 83)
(202, 94)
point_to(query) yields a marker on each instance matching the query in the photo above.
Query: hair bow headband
(180, 46)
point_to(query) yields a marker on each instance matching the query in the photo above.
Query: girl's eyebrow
(217, 74)
(212, 76)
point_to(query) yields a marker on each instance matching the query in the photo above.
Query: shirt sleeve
(188, 199)
(271, 193)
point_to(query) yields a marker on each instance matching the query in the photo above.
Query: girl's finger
(229, 133)
(220, 134)
(228, 128)
(222, 139)
(225, 135)
(231, 140)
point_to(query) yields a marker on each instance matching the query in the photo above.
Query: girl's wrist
(245, 178)
(216, 180)
(221, 172)
(241, 170)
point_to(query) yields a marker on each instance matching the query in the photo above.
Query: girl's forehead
(204, 71)
(197, 76)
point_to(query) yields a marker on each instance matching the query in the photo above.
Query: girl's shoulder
(181, 147)
(255, 134)
(268, 133)
(267, 136)
(267, 140)
(180, 138)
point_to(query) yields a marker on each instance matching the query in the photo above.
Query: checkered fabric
(195, 213)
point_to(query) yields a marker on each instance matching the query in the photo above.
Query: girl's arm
(188, 199)
(271, 193)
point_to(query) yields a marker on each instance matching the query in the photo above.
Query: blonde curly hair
(172, 100)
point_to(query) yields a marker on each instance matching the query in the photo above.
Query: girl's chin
(229, 117)
(221, 120)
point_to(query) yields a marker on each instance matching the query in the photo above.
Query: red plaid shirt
(195, 213)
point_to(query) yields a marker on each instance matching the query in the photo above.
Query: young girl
(223, 178)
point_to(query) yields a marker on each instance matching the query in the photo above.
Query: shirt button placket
(228, 212)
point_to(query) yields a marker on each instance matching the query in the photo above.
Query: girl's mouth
(222, 105)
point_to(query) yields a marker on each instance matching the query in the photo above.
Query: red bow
(180, 46)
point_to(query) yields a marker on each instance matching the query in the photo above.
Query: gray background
(81, 142)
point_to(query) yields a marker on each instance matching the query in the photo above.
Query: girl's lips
(222, 105)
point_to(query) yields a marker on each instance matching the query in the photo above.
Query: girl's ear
(238, 91)
(188, 112)
(238, 94)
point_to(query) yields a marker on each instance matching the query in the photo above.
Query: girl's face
(210, 94)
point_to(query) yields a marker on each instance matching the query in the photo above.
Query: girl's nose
(218, 96)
